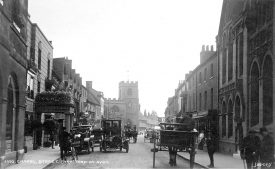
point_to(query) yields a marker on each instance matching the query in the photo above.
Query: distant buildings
(147, 120)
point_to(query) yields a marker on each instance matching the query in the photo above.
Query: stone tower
(128, 92)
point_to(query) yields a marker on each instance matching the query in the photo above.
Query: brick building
(13, 65)
(202, 90)
(40, 59)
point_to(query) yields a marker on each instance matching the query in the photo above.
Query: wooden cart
(182, 141)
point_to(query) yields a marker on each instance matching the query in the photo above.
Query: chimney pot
(211, 47)
(207, 48)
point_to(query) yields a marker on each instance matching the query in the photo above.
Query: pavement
(38, 159)
(220, 160)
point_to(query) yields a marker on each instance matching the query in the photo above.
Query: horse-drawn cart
(175, 137)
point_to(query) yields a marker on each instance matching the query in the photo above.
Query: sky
(154, 42)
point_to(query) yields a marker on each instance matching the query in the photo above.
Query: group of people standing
(258, 148)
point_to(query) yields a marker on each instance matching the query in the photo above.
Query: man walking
(267, 149)
(211, 148)
(250, 149)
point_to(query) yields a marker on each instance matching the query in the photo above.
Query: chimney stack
(89, 85)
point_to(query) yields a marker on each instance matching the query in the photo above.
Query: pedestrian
(211, 147)
(52, 139)
(250, 149)
(267, 149)
(63, 142)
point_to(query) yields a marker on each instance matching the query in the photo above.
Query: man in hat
(267, 149)
(250, 149)
(63, 138)
(211, 142)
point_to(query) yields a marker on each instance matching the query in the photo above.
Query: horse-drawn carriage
(112, 136)
(175, 137)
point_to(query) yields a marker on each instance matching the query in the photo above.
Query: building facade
(13, 56)
(126, 107)
(245, 44)
(70, 81)
(148, 120)
(40, 59)
(202, 91)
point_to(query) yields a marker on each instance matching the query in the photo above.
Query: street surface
(139, 156)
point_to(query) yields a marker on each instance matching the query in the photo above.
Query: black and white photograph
(137, 84)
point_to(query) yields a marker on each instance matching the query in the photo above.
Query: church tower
(128, 93)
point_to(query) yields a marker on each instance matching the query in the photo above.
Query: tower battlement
(122, 83)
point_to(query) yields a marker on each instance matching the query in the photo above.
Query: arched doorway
(254, 95)
(267, 91)
(11, 116)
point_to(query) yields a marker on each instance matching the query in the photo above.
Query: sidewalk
(37, 159)
(220, 160)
